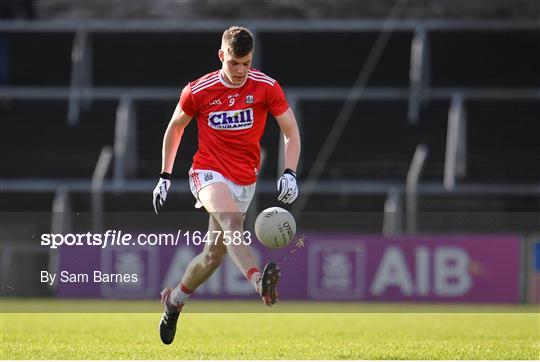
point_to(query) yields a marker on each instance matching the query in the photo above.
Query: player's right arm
(171, 142)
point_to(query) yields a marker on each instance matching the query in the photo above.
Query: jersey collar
(222, 79)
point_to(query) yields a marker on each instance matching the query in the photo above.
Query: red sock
(254, 276)
(252, 271)
(185, 289)
(180, 294)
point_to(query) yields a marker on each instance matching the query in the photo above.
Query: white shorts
(199, 179)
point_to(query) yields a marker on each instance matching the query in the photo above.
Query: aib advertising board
(535, 273)
(322, 266)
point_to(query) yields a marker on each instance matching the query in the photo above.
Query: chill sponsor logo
(231, 120)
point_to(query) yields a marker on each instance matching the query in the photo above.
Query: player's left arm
(291, 136)
(287, 186)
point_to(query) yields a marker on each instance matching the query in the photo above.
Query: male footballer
(231, 106)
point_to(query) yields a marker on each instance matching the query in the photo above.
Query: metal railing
(282, 26)
(393, 214)
(125, 141)
(61, 223)
(411, 187)
(100, 171)
(456, 154)
(81, 75)
(419, 72)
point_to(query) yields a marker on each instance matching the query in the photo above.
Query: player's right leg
(198, 271)
(203, 265)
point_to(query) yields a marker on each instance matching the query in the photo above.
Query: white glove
(287, 187)
(160, 192)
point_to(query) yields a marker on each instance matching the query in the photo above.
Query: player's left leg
(222, 200)
(219, 201)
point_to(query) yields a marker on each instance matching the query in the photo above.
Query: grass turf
(465, 332)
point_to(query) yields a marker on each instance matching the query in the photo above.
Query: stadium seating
(503, 141)
(122, 59)
(485, 58)
(39, 143)
(377, 144)
(152, 120)
(478, 212)
(334, 58)
(298, 9)
(39, 59)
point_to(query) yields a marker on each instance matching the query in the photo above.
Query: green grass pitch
(292, 330)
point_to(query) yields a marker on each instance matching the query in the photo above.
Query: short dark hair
(238, 40)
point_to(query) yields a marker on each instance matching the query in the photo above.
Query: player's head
(236, 53)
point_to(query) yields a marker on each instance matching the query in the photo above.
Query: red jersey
(231, 121)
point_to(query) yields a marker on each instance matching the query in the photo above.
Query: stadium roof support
(97, 188)
(411, 188)
(419, 72)
(81, 75)
(125, 141)
(61, 223)
(456, 153)
(393, 213)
